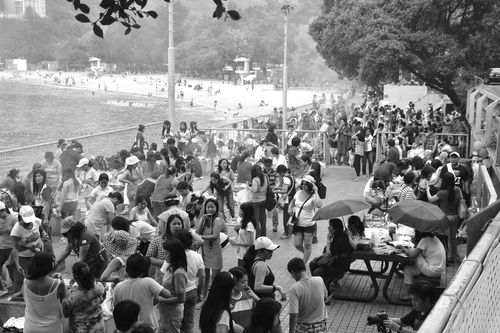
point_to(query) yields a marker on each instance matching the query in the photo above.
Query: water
(33, 113)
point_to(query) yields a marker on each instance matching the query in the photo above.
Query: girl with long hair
(42, 196)
(210, 227)
(258, 187)
(68, 203)
(183, 136)
(448, 199)
(245, 230)
(243, 299)
(359, 143)
(215, 316)
(224, 170)
(82, 304)
(165, 185)
(221, 187)
(265, 317)
(174, 280)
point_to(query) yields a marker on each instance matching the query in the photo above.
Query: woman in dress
(82, 304)
(132, 176)
(210, 227)
(304, 205)
(224, 170)
(221, 187)
(174, 280)
(258, 186)
(43, 296)
(141, 212)
(245, 230)
(260, 276)
(68, 203)
(215, 316)
(448, 199)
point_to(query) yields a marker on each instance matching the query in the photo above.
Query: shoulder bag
(294, 219)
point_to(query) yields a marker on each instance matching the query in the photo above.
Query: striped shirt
(406, 193)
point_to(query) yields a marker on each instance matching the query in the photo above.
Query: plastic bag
(245, 195)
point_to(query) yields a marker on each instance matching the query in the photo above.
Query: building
(16, 65)
(18, 8)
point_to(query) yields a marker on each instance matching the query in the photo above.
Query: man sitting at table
(429, 257)
(423, 296)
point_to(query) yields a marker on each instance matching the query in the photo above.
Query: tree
(436, 40)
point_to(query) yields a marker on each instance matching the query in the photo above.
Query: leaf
(136, 26)
(84, 8)
(107, 19)
(219, 11)
(152, 13)
(140, 14)
(82, 18)
(106, 4)
(125, 24)
(127, 31)
(218, 2)
(76, 4)
(98, 31)
(234, 15)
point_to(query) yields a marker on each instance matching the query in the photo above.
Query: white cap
(2, 205)
(28, 214)
(131, 160)
(265, 243)
(82, 162)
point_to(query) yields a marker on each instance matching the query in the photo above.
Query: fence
(110, 142)
(458, 142)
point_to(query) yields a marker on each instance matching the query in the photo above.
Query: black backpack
(292, 190)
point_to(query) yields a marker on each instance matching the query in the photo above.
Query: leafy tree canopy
(442, 42)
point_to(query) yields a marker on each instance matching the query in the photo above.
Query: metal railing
(459, 142)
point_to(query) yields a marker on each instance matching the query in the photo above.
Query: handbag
(270, 197)
(463, 211)
(324, 260)
(321, 190)
(294, 219)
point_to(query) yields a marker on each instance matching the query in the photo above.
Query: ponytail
(81, 271)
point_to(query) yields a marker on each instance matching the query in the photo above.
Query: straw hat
(67, 223)
(131, 160)
(120, 243)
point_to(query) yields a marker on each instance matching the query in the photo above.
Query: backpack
(270, 197)
(292, 190)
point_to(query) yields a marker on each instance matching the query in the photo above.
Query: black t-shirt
(414, 319)
(461, 174)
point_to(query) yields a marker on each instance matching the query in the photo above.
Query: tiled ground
(343, 316)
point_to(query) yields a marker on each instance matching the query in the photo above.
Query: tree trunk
(456, 100)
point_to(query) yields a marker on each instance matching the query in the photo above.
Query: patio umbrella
(419, 215)
(340, 208)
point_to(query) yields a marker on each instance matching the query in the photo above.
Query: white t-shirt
(98, 192)
(244, 237)
(194, 264)
(434, 253)
(288, 182)
(98, 215)
(142, 291)
(307, 213)
(142, 230)
(307, 300)
(29, 237)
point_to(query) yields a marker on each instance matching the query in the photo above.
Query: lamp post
(286, 11)
(171, 64)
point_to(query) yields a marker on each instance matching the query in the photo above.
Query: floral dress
(211, 250)
(83, 307)
(293, 162)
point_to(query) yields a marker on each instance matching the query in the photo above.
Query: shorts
(304, 230)
(319, 327)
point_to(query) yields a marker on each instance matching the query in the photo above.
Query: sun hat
(131, 160)
(27, 213)
(119, 243)
(309, 179)
(265, 243)
(82, 162)
(67, 223)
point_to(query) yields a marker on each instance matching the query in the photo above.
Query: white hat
(131, 160)
(455, 154)
(28, 214)
(265, 243)
(82, 162)
(194, 140)
(2, 205)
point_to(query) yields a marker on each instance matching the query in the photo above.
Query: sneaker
(356, 179)
(284, 236)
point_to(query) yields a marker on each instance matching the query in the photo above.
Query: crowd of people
(143, 228)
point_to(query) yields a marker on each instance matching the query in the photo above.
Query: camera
(378, 320)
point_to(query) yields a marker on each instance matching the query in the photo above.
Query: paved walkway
(343, 316)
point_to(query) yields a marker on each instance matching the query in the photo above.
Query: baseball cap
(67, 224)
(455, 154)
(265, 243)
(27, 213)
(82, 162)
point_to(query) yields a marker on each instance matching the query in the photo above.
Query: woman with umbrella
(448, 199)
(304, 205)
